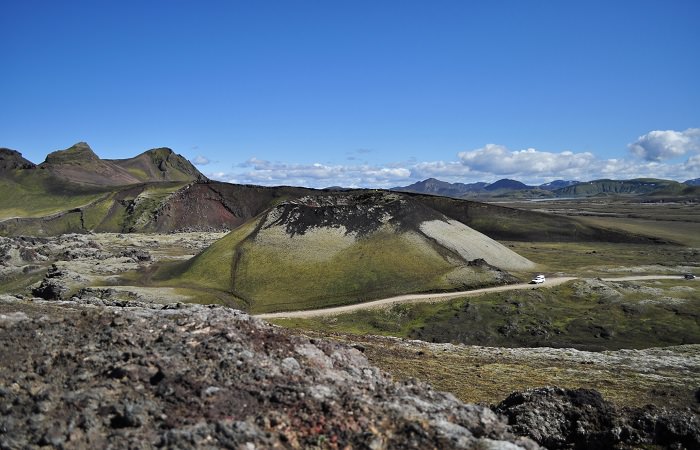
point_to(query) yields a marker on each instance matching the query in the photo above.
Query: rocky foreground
(94, 373)
(89, 375)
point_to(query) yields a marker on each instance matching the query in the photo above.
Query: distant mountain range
(514, 189)
(79, 164)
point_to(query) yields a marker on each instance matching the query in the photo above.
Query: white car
(538, 279)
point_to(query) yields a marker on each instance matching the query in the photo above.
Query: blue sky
(361, 93)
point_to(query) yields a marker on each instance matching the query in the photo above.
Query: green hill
(329, 250)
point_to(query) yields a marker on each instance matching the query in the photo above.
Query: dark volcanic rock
(51, 287)
(361, 213)
(136, 254)
(12, 159)
(564, 418)
(86, 375)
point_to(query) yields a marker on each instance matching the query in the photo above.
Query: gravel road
(416, 298)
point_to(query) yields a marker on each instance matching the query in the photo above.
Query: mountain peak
(507, 183)
(12, 159)
(78, 153)
(438, 187)
(160, 152)
(160, 164)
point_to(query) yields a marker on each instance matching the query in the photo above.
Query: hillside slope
(337, 249)
(218, 205)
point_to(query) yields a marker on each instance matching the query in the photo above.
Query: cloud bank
(649, 158)
(497, 159)
(259, 171)
(661, 145)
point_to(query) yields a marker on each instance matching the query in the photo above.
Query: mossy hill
(336, 249)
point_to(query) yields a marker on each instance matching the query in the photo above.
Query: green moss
(212, 267)
(30, 197)
(377, 266)
(138, 173)
(95, 214)
(20, 283)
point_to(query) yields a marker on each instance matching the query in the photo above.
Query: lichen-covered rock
(565, 418)
(84, 375)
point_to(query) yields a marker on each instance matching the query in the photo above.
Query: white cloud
(453, 170)
(692, 166)
(528, 163)
(659, 145)
(321, 175)
(200, 160)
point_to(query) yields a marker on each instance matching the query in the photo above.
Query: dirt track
(416, 298)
